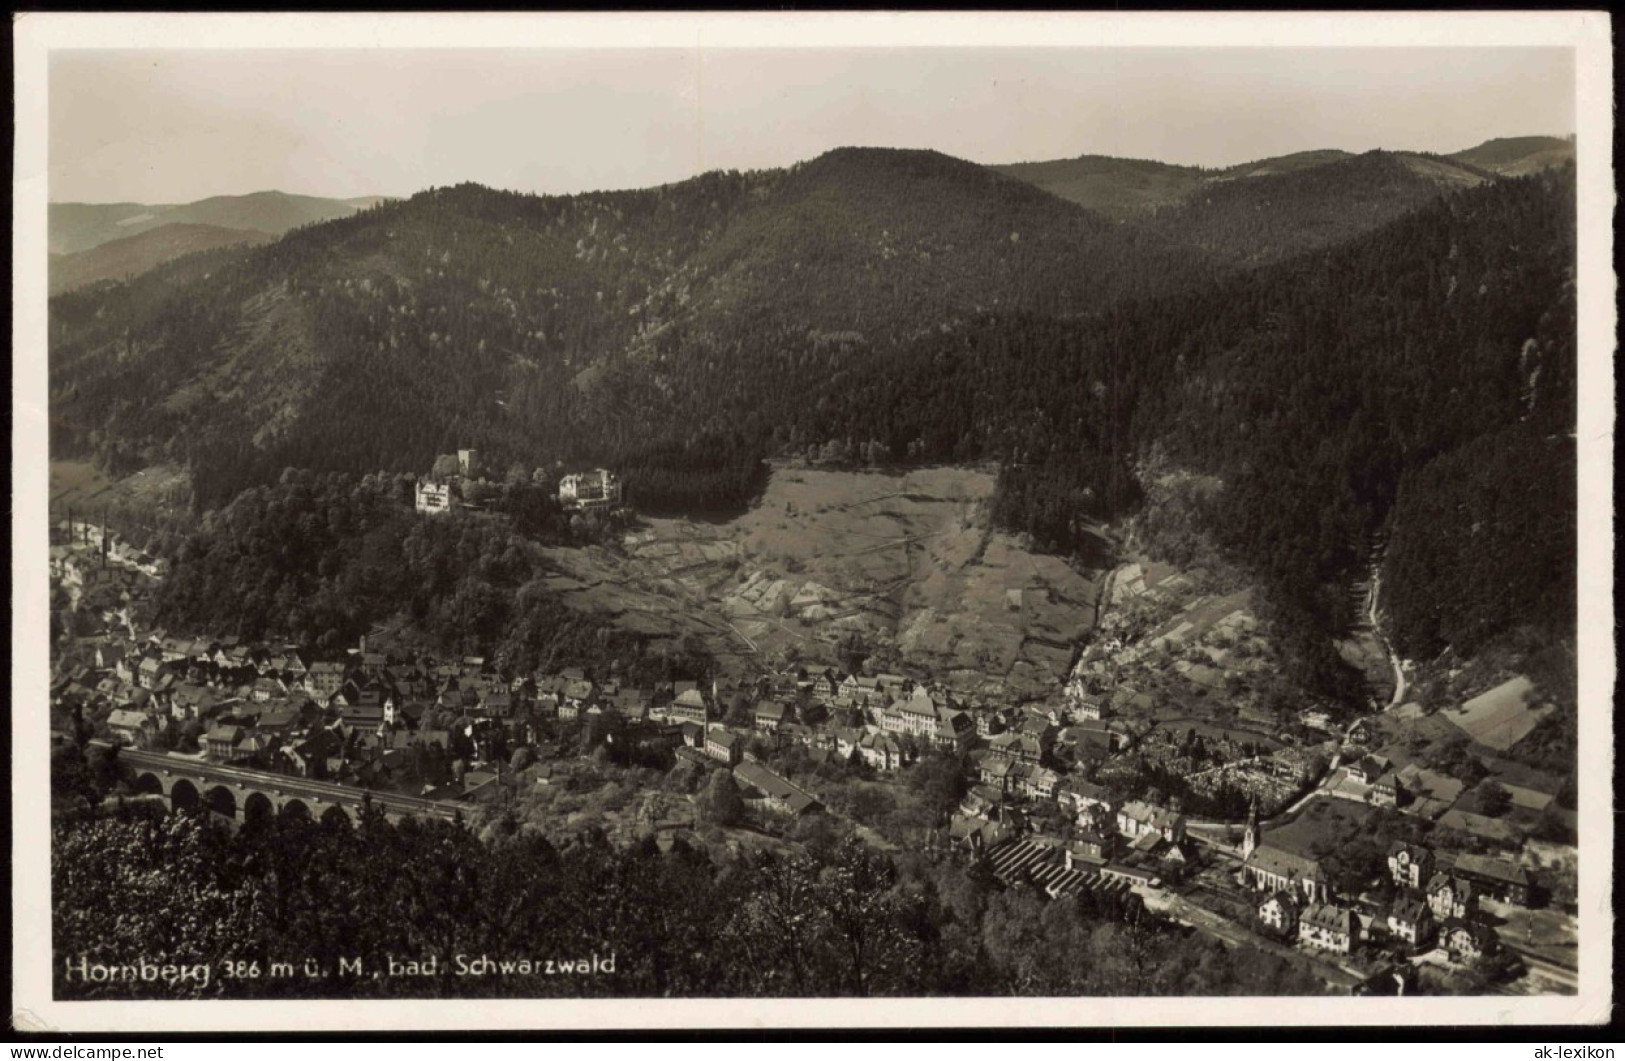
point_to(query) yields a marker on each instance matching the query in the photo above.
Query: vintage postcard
(812, 520)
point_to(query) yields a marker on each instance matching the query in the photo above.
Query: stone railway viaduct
(242, 794)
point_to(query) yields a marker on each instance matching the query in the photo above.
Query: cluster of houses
(1123, 839)
(1434, 900)
(362, 718)
(359, 719)
(596, 491)
(1377, 772)
(101, 573)
(352, 721)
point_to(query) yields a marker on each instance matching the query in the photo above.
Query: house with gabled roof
(1017, 745)
(221, 742)
(881, 751)
(1468, 941)
(576, 698)
(1386, 790)
(1078, 795)
(1410, 865)
(133, 726)
(768, 790)
(688, 706)
(1039, 782)
(768, 715)
(1327, 926)
(495, 701)
(323, 680)
(724, 745)
(1090, 850)
(1495, 877)
(1451, 898)
(1410, 919)
(187, 702)
(995, 772)
(1138, 818)
(1366, 770)
(150, 671)
(172, 649)
(825, 686)
(279, 717)
(633, 703)
(1279, 911)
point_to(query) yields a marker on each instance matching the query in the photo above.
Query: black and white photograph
(812, 519)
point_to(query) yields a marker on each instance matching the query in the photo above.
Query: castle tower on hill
(468, 463)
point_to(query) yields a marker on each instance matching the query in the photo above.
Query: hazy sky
(173, 126)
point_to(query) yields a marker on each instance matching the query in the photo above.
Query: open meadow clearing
(1499, 718)
(907, 563)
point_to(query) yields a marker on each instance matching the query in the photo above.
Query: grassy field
(906, 561)
(81, 486)
(1324, 826)
(76, 484)
(1499, 718)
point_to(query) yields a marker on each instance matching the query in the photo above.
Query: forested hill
(133, 255)
(613, 326)
(1342, 400)
(1520, 155)
(1419, 380)
(1267, 214)
(566, 327)
(1415, 378)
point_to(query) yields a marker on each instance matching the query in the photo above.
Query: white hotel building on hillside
(590, 491)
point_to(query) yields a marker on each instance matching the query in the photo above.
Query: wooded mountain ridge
(74, 227)
(1324, 341)
(517, 323)
(130, 256)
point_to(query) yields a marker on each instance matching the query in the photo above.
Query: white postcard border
(37, 34)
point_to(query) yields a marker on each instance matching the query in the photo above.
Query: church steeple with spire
(1250, 835)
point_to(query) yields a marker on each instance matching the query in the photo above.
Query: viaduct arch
(244, 794)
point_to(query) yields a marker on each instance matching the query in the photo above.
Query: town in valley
(1358, 849)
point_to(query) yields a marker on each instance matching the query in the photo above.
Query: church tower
(1250, 835)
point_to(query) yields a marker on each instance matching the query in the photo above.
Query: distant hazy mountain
(1269, 167)
(1519, 155)
(78, 227)
(121, 259)
(1116, 187)
(1123, 188)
